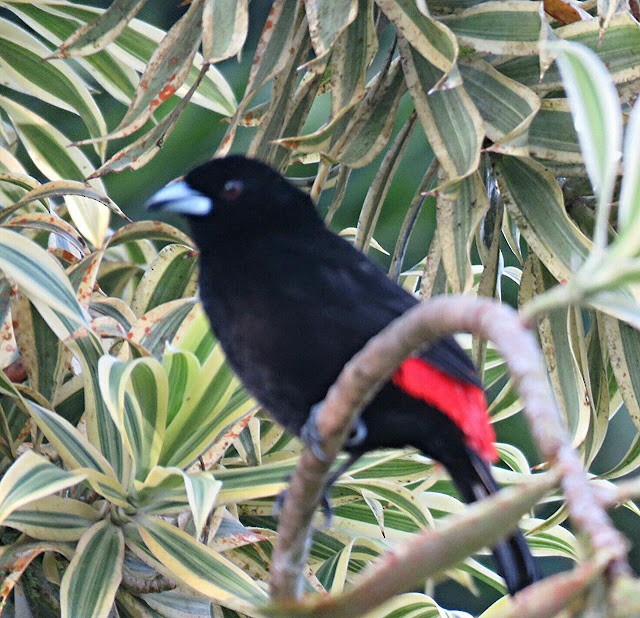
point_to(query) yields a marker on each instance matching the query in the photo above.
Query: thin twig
(410, 218)
(365, 374)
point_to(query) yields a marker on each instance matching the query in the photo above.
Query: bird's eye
(232, 189)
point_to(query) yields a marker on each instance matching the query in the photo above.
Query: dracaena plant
(123, 433)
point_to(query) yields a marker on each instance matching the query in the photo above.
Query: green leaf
(428, 36)
(453, 126)
(202, 490)
(534, 199)
(351, 55)
(199, 567)
(460, 209)
(23, 69)
(49, 149)
(327, 20)
(136, 394)
(623, 344)
(99, 32)
(510, 28)
(53, 518)
(506, 106)
(224, 28)
(71, 445)
(628, 242)
(30, 478)
(170, 276)
(42, 279)
(86, 590)
(598, 120)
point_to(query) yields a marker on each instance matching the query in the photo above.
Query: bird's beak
(181, 198)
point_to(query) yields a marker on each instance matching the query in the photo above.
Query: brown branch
(364, 375)
(429, 553)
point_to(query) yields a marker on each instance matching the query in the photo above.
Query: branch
(365, 374)
(429, 553)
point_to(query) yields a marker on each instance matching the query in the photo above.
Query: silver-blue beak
(181, 198)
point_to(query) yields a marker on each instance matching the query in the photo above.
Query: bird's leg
(310, 434)
(327, 511)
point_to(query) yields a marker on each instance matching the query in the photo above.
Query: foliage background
(195, 139)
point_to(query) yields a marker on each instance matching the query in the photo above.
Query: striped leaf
(595, 106)
(139, 152)
(414, 604)
(619, 50)
(131, 51)
(41, 351)
(116, 77)
(429, 37)
(86, 590)
(163, 492)
(102, 431)
(71, 445)
(170, 276)
(352, 54)
(199, 567)
(224, 28)
(148, 230)
(327, 20)
(623, 344)
(552, 136)
(49, 149)
(506, 106)
(214, 405)
(182, 369)
(30, 478)
(629, 205)
(534, 199)
(564, 373)
(453, 126)
(23, 69)
(165, 72)
(136, 394)
(460, 209)
(99, 32)
(153, 330)
(53, 518)
(202, 490)
(42, 279)
(520, 27)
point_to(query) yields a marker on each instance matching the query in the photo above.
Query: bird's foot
(310, 434)
(325, 506)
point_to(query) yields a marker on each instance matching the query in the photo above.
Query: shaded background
(194, 141)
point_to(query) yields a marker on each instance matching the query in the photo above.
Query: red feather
(463, 403)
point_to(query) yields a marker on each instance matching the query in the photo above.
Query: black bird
(291, 302)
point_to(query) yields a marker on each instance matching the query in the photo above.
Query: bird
(291, 302)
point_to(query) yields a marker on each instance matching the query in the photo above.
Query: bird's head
(235, 194)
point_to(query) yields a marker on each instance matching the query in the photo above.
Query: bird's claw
(310, 434)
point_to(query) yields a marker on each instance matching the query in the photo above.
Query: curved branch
(365, 374)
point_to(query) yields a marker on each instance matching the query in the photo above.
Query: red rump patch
(463, 403)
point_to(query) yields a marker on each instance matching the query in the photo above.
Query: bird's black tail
(512, 555)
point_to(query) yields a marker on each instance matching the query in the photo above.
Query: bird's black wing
(359, 298)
